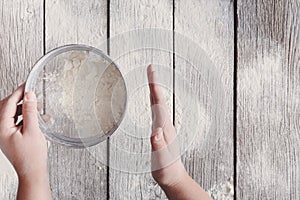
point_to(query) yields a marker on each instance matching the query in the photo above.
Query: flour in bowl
(85, 94)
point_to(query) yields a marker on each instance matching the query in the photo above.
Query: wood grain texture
(124, 181)
(75, 173)
(268, 97)
(21, 44)
(209, 27)
(268, 155)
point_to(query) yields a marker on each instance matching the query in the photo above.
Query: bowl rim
(30, 86)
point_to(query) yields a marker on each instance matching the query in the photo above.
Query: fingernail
(30, 96)
(159, 134)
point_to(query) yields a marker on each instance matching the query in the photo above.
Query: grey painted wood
(21, 44)
(268, 95)
(125, 16)
(268, 91)
(75, 173)
(209, 159)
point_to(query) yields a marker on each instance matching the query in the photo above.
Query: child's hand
(167, 168)
(25, 146)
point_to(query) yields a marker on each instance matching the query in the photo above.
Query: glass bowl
(81, 95)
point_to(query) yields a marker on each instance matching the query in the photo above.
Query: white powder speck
(223, 191)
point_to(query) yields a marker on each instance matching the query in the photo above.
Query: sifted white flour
(86, 92)
(222, 191)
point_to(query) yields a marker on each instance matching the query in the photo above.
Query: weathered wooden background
(255, 45)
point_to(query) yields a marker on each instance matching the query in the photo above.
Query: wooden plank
(129, 175)
(76, 173)
(21, 44)
(268, 96)
(209, 85)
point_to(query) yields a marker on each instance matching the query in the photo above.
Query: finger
(30, 114)
(151, 99)
(19, 113)
(152, 113)
(13, 100)
(160, 115)
(155, 92)
(156, 97)
(46, 118)
(17, 95)
(161, 156)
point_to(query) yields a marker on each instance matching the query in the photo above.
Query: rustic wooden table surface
(255, 46)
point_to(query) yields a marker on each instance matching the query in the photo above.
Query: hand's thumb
(157, 139)
(29, 112)
(160, 156)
